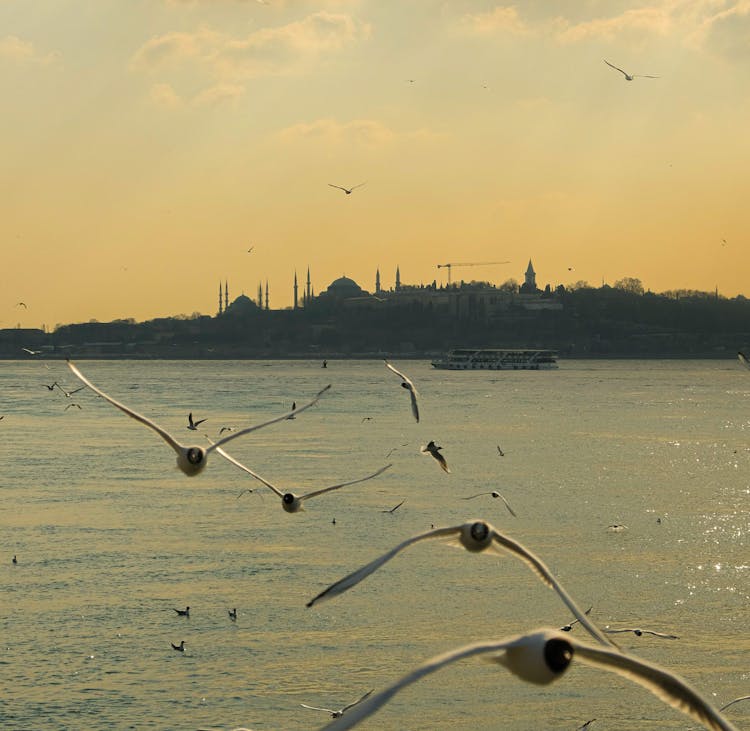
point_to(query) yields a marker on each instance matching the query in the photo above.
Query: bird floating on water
(475, 536)
(191, 459)
(233, 614)
(183, 612)
(543, 656)
(180, 647)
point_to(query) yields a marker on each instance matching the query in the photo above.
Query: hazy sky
(147, 144)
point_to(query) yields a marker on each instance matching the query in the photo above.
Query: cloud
(16, 49)
(726, 32)
(218, 94)
(163, 95)
(362, 131)
(502, 19)
(636, 22)
(284, 49)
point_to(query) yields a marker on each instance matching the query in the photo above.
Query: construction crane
(452, 264)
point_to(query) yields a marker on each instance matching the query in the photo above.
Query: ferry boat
(497, 359)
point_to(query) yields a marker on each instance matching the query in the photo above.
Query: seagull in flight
(193, 425)
(500, 451)
(394, 509)
(22, 304)
(639, 632)
(68, 394)
(289, 501)
(50, 388)
(569, 627)
(348, 191)
(31, 352)
(629, 77)
(70, 406)
(434, 450)
(191, 459)
(410, 387)
(495, 494)
(743, 359)
(736, 700)
(341, 711)
(543, 656)
(475, 537)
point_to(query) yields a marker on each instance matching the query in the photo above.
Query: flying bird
(475, 537)
(31, 352)
(500, 451)
(743, 359)
(341, 711)
(629, 77)
(410, 387)
(348, 191)
(68, 394)
(543, 656)
(191, 459)
(495, 494)
(394, 509)
(50, 388)
(193, 425)
(71, 406)
(22, 304)
(736, 700)
(569, 627)
(640, 632)
(289, 501)
(434, 450)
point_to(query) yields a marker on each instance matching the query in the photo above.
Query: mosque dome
(241, 305)
(343, 287)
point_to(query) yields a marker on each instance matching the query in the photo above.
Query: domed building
(242, 305)
(341, 289)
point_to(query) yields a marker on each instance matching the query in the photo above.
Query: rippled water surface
(110, 537)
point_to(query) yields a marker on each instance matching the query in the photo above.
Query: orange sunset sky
(148, 144)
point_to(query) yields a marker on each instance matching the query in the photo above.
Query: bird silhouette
(629, 77)
(348, 191)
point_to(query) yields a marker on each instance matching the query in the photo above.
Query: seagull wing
(359, 700)
(477, 495)
(441, 460)
(414, 404)
(399, 374)
(283, 417)
(345, 484)
(507, 505)
(356, 576)
(615, 67)
(199, 422)
(540, 568)
(315, 708)
(371, 705)
(645, 76)
(337, 186)
(354, 187)
(736, 700)
(743, 359)
(231, 459)
(393, 510)
(669, 688)
(165, 435)
(660, 634)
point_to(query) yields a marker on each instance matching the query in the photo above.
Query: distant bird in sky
(180, 647)
(183, 612)
(640, 632)
(411, 81)
(410, 387)
(22, 304)
(191, 459)
(723, 242)
(71, 406)
(743, 359)
(193, 425)
(544, 656)
(225, 428)
(31, 352)
(289, 501)
(629, 77)
(394, 509)
(233, 614)
(495, 494)
(434, 450)
(341, 711)
(250, 250)
(348, 191)
(475, 536)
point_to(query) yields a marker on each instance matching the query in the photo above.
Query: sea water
(110, 538)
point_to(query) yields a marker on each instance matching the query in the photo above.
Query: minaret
(226, 296)
(295, 289)
(267, 294)
(307, 300)
(377, 281)
(530, 278)
(220, 309)
(398, 279)
(260, 295)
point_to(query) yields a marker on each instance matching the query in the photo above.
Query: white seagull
(474, 536)
(736, 700)
(341, 711)
(191, 459)
(639, 632)
(31, 352)
(289, 501)
(495, 494)
(629, 77)
(542, 657)
(407, 384)
(348, 191)
(740, 356)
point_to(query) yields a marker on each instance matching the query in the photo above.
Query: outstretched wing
(283, 417)
(231, 459)
(165, 435)
(359, 700)
(615, 67)
(315, 708)
(344, 484)
(356, 576)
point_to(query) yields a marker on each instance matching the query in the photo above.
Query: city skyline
(153, 149)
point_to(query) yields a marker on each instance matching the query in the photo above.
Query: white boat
(497, 359)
